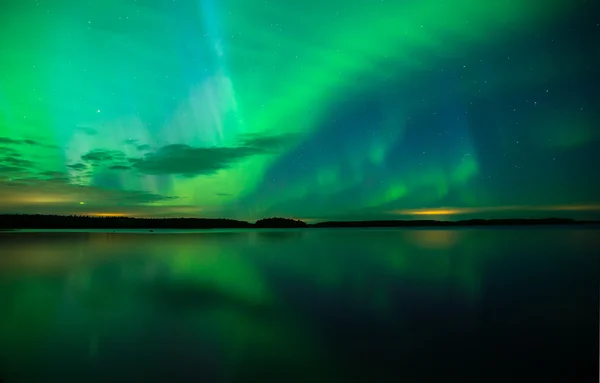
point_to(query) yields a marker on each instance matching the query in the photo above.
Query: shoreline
(337, 225)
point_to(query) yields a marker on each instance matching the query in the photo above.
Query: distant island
(279, 223)
(40, 221)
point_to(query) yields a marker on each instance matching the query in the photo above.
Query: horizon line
(417, 218)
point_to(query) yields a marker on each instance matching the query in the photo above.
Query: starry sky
(311, 109)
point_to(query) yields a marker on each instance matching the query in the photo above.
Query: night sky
(311, 109)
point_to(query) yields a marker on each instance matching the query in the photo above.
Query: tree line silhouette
(50, 221)
(42, 221)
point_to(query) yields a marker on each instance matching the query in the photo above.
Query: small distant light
(98, 111)
(82, 203)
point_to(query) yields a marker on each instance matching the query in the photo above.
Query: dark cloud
(15, 161)
(191, 161)
(111, 159)
(101, 155)
(267, 142)
(8, 141)
(131, 141)
(120, 167)
(13, 167)
(8, 171)
(183, 159)
(26, 141)
(77, 166)
(52, 174)
(8, 151)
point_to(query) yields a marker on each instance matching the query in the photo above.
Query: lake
(308, 305)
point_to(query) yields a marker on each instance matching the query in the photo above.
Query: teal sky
(309, 109)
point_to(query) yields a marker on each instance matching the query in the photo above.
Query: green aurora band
(311, 109)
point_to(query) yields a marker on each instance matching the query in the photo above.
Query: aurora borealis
(316, 110)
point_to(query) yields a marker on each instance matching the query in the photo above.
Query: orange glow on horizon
(470, 210)
(436, 212)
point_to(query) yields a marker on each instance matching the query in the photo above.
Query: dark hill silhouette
(279, 223)
(40, 221)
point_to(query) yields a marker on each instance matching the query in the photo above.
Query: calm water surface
(307, 305)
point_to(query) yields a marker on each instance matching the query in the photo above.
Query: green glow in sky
(311, 109)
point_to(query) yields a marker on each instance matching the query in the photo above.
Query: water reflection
(266, 305)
